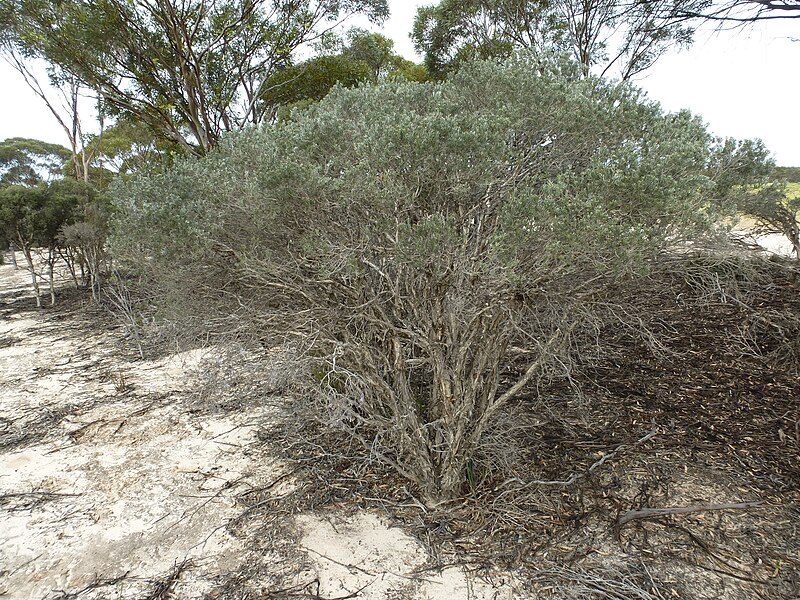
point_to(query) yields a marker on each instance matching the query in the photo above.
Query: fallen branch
(163, 587)
(349, 567)
(596, 465)
(303, 591)
(646, 513)
(94, 585)
(35, 494)
(17, 500)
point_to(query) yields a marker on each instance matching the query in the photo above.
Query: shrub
(413, 231)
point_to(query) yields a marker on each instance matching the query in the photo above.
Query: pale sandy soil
(112, 478)
(123, 478)
(769, 244)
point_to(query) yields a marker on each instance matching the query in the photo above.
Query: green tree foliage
(37, 203)
(312, 80)
(377, 53)
(741, 161)
(129, 147)
(363, 57)
(32, 218)
(412, 232)
(373, 50)
(410, 71)
(30, 162)
(453, 32)
(789, 174)
(190, 70)
(617, 38)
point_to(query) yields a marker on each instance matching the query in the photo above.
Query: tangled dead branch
(161, 588)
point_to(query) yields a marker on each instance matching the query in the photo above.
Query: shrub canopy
(412, 231)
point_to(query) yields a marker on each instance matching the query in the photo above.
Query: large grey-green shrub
(409, 232)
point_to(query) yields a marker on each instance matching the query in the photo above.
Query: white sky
(744, 83)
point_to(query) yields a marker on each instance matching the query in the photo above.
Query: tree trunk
(13, 249)
(69, 258)
(83, 269)
(34, 277)
(794, 237)
(92, 256)
(51, 260)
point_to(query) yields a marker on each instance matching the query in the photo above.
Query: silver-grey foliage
(414, 231)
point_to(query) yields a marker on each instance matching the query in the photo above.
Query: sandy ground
(770, 244)
(114, 485)
(123, 478)
(101, 473)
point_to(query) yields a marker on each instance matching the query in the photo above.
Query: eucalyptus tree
(30, 162)
(374, 50)
(360, 57)
(127, 147)
(609, 37)
(32, 217)
(60, 91)
(189, 69)
(62, 95)
(311, 80)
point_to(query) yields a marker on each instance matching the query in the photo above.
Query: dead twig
(303, 590)
(96, 584)
(272, 484)
(29, 500)
(646, 513)
(349, 567)
(163, 587)
(36, 494)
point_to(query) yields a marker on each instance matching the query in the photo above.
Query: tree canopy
(363, 56)
(619, 39)
(126, 147)
(33, 215)
(190, 70)
(30, 162)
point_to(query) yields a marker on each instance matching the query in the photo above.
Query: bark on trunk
(34, 276)
(51, 279)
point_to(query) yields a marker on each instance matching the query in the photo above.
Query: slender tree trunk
(51, 261)
(94, 275)
(52, 285)
(13, 249)
(34, 277)
(83, 268)
(68, 255)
